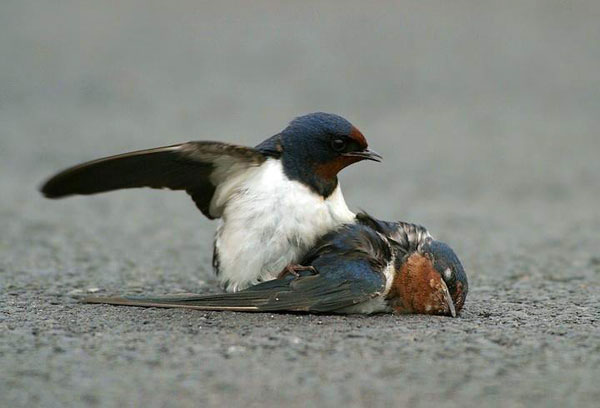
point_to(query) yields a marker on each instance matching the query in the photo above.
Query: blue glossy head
(449, 267)
(429, 280)
(317, 146)
(319, 124)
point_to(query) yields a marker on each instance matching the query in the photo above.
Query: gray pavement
(487, 114)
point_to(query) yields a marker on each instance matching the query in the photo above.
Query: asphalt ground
(486, 113)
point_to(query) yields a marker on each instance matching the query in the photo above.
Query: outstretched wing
(196, 167)
(332, 289)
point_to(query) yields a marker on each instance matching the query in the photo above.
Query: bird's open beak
(448, 298)
(365, 155)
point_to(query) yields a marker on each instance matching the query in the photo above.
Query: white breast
(269, 222)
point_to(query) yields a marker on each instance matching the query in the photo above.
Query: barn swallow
(274, 200)
(354, 269)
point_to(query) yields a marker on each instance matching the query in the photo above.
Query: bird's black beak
(365, 155)
(448, 299)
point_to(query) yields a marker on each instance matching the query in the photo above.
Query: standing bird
(274, 201)
(367, 267)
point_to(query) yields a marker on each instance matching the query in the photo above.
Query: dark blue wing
(189, 166)
(333, 287)
(349, 270)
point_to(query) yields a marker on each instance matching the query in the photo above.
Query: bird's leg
(295, 269)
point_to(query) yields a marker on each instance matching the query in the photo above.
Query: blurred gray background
(487, 113)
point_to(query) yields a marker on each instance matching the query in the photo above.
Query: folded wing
(196, 167)
(334, 287)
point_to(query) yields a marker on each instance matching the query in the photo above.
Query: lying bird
(274, 200)
(367, 267)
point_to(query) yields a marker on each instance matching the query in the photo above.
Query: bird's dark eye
(339, 145)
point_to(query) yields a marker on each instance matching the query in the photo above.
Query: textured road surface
(487, 113)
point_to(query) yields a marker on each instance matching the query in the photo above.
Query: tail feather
(224, 302)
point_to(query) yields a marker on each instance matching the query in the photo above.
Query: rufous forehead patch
(358, 137)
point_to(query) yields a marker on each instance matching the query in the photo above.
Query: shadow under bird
(274, 200)
(367, 267)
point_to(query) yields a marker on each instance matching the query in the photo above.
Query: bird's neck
(302, 170)
(299, 167)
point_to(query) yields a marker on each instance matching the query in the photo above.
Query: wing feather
(351, 283)
(196, 167)
(350, 265)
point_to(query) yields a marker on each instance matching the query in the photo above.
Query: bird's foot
(294, 270)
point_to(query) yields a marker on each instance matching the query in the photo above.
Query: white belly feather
(269, 222)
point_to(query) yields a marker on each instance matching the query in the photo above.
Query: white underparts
(268, 222)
